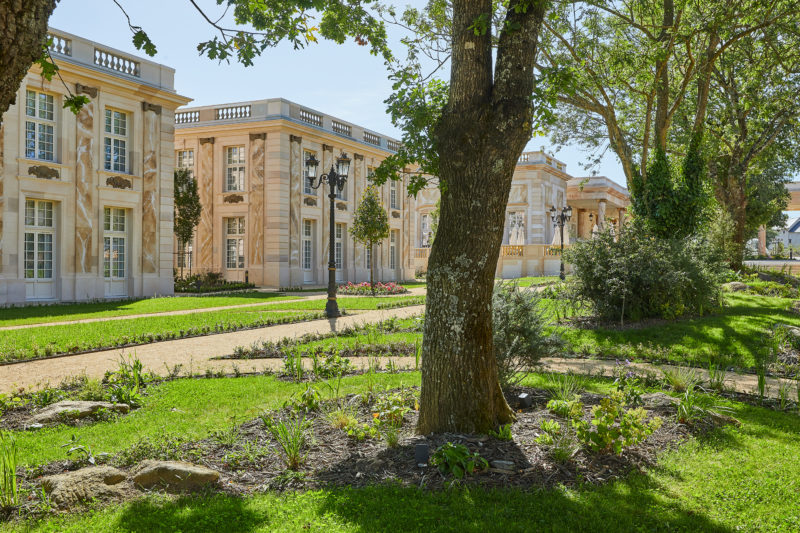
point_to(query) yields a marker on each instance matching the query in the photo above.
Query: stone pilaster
(84, 181)
(295, 199)
(406, 235)
(150, 191)
(256, 197)
(205, 182)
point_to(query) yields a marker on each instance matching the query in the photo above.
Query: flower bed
(364, 289)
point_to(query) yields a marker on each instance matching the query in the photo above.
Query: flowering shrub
(364, 289)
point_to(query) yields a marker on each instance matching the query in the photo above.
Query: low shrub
(208, 282)
(457, 460)
(636, 275)
(614, 428)
(292, 437)
(520, 335)
(365, 289)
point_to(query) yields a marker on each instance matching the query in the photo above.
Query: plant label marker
(421, 453)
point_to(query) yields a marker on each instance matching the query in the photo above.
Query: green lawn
(729, 337)
(743, 479)
(41, 314)
(354, 303)
(45, 340)
(533, 281)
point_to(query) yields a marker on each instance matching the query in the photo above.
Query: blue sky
(342, 80)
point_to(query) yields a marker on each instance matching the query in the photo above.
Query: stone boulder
(74, 410)
(658, 400)
(94, 483)
(735, 286)
(173, 475)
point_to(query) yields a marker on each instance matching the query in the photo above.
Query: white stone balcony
(279, 108)
(79, 51)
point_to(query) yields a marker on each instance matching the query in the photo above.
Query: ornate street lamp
(335, 178)
(560, 218)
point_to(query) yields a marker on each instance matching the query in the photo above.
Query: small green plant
(46, 397)
(457, 460)
(694, 406)
(228, 436)
(361, 431)
(784, 390)
(680, 378)
(571, 409)
(549, 428)
(164, 447)
(84, 452)
(566, 386)
(292, 437)
(390, 435)
(92, 390)
(124, 393)
(293, 365)
(503, 432)
(9, 493)
(391, 407)
(307, 401)
(248, 454)
(614, 428)
(342, 418)
(716, 378)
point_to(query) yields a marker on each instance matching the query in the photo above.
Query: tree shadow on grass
(218, 512)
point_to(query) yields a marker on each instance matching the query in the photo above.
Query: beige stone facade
(86, 201)
(531, 242)
(261, 220)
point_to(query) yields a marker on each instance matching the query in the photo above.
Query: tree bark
(23, 30)
(481, 134)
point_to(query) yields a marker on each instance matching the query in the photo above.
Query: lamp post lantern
(560, 218)
(335, 178)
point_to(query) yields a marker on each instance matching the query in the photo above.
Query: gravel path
(194, 354)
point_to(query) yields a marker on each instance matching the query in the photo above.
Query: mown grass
(353, 303)
(29, 343)
(41, 314)
(733, 479)
(188, 408)
(732, 336)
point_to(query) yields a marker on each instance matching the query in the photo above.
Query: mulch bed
(335, 459)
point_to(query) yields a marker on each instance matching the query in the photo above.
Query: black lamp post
(335, 178)
(560, 217)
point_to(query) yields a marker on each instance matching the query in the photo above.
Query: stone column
(295, 198)
(762, 241)
(255, 223)
(581, 223)
(84, 181)
(601, 214)
(205, 184)
(150, 189)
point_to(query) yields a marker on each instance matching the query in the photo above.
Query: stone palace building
(262, 220)
(531, 242)
(86, 201)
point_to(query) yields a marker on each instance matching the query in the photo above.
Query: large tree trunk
(23, 30)
(480, 137)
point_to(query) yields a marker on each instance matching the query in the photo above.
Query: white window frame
(307, 184)
(39, 221)
(115, 243)
(338, 251)
(116, 132)
(308, 250)
(234, 241)
(393, 250)
(235, 168)
(185, 159)
(393, 203)
(40, 126)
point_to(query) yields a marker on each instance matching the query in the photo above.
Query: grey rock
(75, 410)
(500, 464)
(173, 475)
(658, 400)
(735, 286)
(95, 483)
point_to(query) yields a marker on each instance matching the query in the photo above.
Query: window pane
(107, 153)
(108, 121)
(29, 255)
(46, 142)
(107, 219)
(46, 106)
(241, 226)
(107, 257)
(30, 213)
(30, 140)
(30, 103)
